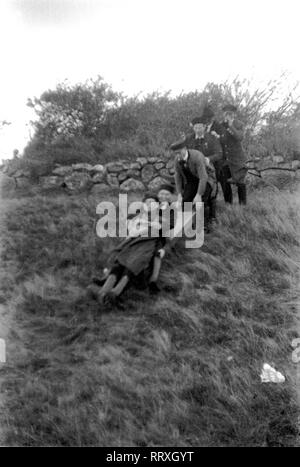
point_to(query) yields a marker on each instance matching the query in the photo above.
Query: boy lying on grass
(142, 250)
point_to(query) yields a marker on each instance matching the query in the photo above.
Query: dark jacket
(216, 128)
(210, 146)
(197, 166)
(231, 141)
(137, 253)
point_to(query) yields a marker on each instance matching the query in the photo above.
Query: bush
(40, 159)
(89, 122)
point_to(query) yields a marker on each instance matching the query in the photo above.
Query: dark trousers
(223, 175)
(242, 193)
(209, 205)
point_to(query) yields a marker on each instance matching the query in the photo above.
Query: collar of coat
(183, 158)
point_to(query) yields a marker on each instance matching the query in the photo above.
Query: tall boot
(242, 193)
(227, 192)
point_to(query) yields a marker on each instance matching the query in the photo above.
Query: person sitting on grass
(165, 197)
(141, 250)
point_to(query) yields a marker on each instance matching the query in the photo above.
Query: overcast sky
(138, 45)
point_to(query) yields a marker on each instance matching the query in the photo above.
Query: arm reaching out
(202, 174)
(236, 129)
(178, 179)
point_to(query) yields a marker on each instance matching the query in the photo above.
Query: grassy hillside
(180, 369)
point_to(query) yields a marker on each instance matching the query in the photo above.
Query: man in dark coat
(230, 133)
(216, 129)
(208, 144)
(233, 150)
(195, 178)
(205, 142)
(212, 125)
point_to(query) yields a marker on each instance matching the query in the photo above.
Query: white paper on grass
(2, 351)
(270, 375)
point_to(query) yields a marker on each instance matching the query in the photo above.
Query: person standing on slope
(195, 179)
(209, 145)
(231, 140)
(230, 133)
(216, 130)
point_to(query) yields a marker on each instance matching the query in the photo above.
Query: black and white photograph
(150, 226)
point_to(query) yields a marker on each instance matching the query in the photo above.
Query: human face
(229, 116)
(199, 129)
(150, 205)
(165, 195)
(180, 153)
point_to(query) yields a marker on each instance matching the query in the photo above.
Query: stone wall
(144, 173)
(274, 170)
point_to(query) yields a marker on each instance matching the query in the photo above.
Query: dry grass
(180, 369)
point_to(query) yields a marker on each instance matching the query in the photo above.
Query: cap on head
(196, 120)
(150, 195)
(178, 145)
(207, 113)
(204, 118)
(229, 108)
(167, 187)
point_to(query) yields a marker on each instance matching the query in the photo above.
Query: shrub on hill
(89, 122)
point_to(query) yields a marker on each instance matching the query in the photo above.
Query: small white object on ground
(270, 375)
(2, 351)
(296, 353)
(295, 342)
(296, 356)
